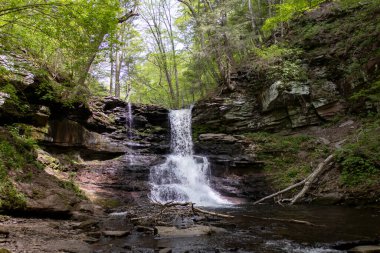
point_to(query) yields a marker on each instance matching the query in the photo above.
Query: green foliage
(59, 35)
(360, 159)
(14, 100)
(12, 157)
(287, 10)
(275, 52)
(72, 186)
(10, 198)
(280, 62)
(63, 93)
(357, 170)
(280, 155)
(22, 134)
(371, 93)
(353, 3)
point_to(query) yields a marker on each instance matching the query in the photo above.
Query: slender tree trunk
(112, 70)
(117, 74)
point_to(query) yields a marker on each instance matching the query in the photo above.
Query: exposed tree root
(306, 182)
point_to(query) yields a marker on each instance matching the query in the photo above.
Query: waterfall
(183, 177)
(129, 125)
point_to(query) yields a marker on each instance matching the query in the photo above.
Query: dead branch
(195, 209)
(303, 222)
(212, 213)
(306, 182)
(311, 178)
(280, 192)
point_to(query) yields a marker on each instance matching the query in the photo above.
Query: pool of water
(266, 228)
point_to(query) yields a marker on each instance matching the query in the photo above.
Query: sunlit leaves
(59, 34)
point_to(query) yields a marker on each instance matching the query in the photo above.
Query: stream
(333, 229)
(254, 228)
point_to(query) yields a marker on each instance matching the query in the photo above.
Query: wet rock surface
(104, 128)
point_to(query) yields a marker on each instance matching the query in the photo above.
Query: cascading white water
(183, 177)
(129, 124)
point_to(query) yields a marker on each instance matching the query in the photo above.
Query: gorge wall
(72, 144)
(302, 85)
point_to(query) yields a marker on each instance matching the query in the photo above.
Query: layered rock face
(114, 159)
(103, 129)
(90, 144)
(313, 84)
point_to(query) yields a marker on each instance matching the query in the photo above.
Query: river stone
(165, 250)
(116, 233)
(365, 249)
(197, 230)
(87, 224)
(73, 246)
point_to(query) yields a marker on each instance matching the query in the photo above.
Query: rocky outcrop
(276, 107)
(313, 84)
(113, 159)
(103, 128)
(88, 144)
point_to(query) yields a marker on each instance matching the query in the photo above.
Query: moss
(67, 94)
(281, 155)
(72, 186)
(10, 197)
(108, 203)
(16, 155)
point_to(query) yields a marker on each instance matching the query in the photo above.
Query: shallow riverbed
(266, 228)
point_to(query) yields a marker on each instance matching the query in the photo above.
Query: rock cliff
(304, 81)
(86, 144)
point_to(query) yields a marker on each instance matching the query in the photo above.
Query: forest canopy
(167, 52)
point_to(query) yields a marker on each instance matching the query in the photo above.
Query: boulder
(280, 93)
(365, 249)
(196, 230)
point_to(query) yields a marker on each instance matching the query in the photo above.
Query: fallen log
(311, 178)
(168, 205)
(212, 213)
(195, 209)
(280, 192)
(306, 182)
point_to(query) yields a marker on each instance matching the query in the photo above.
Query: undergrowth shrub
(360, 158)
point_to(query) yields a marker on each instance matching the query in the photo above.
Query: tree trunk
(112, 70)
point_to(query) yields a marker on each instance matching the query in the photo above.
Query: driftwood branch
(303, 222)
(280, 192)
(306, 182)
(311, 178)
(195, 209)
(212, 213)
